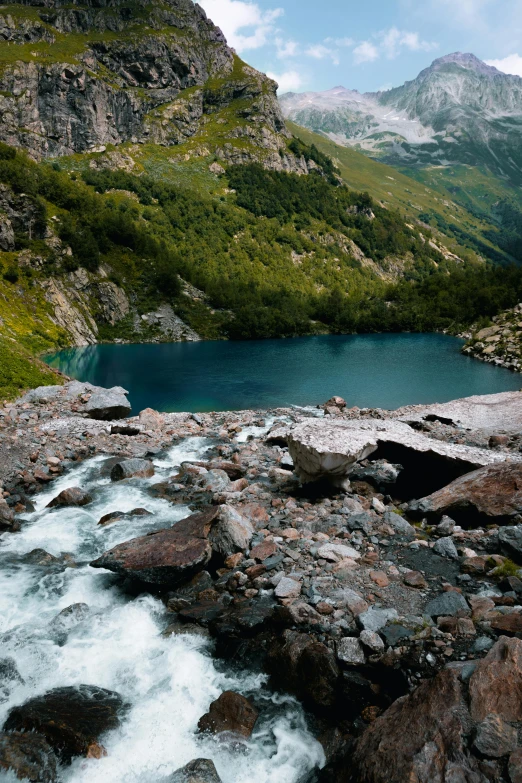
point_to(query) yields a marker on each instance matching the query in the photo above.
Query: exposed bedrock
(329, 450)
(490, 494)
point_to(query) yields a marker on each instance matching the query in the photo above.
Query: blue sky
(366, 44)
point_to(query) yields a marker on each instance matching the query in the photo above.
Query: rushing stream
(118, 643)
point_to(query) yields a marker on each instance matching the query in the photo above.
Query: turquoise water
(383, 370)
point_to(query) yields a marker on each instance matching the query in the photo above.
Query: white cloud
(288, 81)
(365, 52)
(286, 49)
(393, 41)
(244, 24)
(390, 43)
(510, 64)
(322, 52)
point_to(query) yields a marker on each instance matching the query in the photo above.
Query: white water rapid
(169, 681)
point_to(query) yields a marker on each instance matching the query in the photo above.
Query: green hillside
(436, 195)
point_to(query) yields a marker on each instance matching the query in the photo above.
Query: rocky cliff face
(78, 76)
(459, 110)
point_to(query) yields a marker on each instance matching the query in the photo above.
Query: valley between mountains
(152, 191)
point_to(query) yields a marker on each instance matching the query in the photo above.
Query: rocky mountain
(77, 77)
(457, 111)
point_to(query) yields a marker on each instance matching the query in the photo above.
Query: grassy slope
(400, 191)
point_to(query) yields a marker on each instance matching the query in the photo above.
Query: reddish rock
(231, 713)
(166, 557)
(415, 579)
(151, 419)
(263, 550)
(380, 578)
(132, 468)
(509, 624)
(71, 719)
(474, 565)
(73, 496)
(419, 738)
(28, 756)
(496, 684)
(493, 493)
(256, 514)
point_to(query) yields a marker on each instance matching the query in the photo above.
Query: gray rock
(108, 404)
(495, 738)
(446, 548)
(330, 448)
(231, 533)
(510, 541)
(446, 526)
(482, 644)
(350, 651)
(395, 633)
(132, 468)
(336, 552)
(372, 640)
(447, 605)
(197, 771)
(374, 619)
(287, 588)
(400, 525)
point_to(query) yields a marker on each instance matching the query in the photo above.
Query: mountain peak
(465, 60)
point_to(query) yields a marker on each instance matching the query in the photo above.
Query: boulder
(230, 713)
(496, 684)
(197, 771)
(116, 516)
(71, 719)
(495, 737)
(350, 651)
(448, 605)
(491, 494)
(108, 404)
(510, 541)
(28, 756)
(151, 420)
(330, 448)
(132, 468)
(374, 619)
(446, 548)
(73, 496)
(231, 532)
(7, 518)
(419, 738)
(166, 557)
(336, 552)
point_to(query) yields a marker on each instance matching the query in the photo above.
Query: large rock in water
(329, 449)
(132, 468)
(197, 771)
(230, 713)
(29, 756)
(491, 494)
(166, 557)
(73, 496)
(71, 719)
(108, 404)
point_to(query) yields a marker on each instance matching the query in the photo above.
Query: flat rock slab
(330, 449)
(71, 719)
(492, 493)
(166, 557)
(489, 412)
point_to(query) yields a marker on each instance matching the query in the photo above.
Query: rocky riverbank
(500, 343)
(366, 560)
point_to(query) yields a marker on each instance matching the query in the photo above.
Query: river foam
(117, 642)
